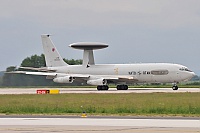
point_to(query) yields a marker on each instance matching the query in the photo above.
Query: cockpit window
(185, 69)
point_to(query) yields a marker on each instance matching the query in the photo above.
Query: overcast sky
(136, 30)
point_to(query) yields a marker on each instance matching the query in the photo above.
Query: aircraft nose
(193, 74)
(189, 75)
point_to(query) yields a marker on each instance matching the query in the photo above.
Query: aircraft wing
(33, 73)
(43, 69)
(115, 78)
(109, 78)
(53, 74)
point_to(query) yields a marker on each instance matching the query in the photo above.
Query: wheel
(175, 87)
(105, 87)
(98, 87)
(118, 87)
(126, 87)
(102, 87)
(122, 87)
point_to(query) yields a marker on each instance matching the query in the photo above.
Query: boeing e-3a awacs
(102, 75)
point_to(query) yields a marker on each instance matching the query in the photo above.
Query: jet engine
(100, 81)
(66, 79)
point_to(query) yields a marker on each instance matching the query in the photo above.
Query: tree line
(36, 61)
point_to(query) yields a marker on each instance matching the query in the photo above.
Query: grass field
(180, 104)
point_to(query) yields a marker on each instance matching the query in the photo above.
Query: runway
(94, 90)
(98, 125)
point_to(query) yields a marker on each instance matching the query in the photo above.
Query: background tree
(7, 79)
(73, 62)
(1, 81)
(34, 61)
(11, 68)
(32, 80)
(39, 61)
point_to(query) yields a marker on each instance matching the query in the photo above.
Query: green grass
(181, 104)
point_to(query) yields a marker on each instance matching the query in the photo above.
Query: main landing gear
(105, 87)
(102, 87)
(122, 87)
(174, 87)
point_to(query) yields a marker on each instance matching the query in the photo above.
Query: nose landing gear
(175, 87)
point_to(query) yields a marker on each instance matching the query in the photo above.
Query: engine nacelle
(66, 79)
(97, 82)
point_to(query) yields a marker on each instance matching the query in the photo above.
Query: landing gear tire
(102, 87)
(122, 87)
(175, 87)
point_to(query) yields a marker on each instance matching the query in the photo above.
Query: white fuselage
(144, 72)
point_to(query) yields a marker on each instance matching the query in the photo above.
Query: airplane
(101, 75)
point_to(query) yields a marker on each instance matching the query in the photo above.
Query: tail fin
(52, 57)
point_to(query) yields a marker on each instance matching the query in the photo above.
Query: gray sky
(136, 30)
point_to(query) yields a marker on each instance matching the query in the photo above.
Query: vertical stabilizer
(52, 57)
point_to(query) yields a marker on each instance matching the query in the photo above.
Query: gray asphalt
(44, 124)
(94, 90)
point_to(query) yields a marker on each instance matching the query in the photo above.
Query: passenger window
(159, 72)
